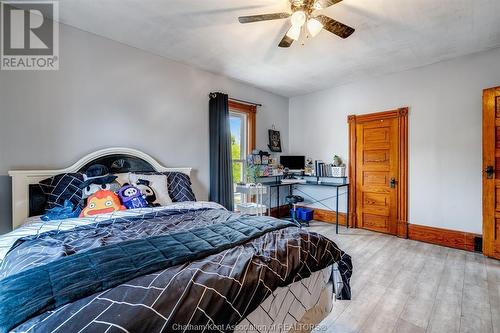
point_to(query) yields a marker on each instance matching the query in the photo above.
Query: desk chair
(292, 201)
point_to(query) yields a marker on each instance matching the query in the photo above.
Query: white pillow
(156, 191)
(123, 178)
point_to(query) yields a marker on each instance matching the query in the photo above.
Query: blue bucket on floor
(306, 214)
(298, 213)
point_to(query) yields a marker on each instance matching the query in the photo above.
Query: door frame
(402, 115)
(489, 159)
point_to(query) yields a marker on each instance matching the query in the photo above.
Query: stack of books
(328, 170)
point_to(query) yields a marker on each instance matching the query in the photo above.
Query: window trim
(251, 115)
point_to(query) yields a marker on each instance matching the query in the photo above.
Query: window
(238, 145)
(242, 124)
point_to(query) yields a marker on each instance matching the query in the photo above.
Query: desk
(278, 184)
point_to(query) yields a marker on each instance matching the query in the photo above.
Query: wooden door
(491, 172)
(377, 175)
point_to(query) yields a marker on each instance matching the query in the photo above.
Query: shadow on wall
(5, 204)
(198, 187)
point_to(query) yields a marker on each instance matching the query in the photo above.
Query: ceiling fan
(304, 20)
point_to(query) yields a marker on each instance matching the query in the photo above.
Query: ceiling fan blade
(327, 3)
(286, 41)
(263, 17)
(335, 27)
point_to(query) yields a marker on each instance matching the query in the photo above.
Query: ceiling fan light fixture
(314, 27)
(304, 21)
(298, 18)
(294, 32)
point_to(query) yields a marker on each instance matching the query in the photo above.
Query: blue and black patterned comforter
(158, 272)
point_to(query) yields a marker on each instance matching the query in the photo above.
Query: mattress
(299, 307)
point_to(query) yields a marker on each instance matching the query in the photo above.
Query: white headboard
(22, 179)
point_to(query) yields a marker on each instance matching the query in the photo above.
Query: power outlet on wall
(478, 244)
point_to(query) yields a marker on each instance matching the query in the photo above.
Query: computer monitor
(293, 162)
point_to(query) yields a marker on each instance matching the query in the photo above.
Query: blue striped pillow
(62, 187)
(179, 187)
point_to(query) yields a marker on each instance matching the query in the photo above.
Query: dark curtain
(221, 171)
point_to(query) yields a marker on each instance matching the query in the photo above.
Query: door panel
(376, 136)
(377, 163)
(491, 180)
(375, 179)
(375, 200)
(374, 222)
(375, 156)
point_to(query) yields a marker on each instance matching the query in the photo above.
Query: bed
(185, 267)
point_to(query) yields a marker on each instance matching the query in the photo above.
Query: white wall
(445, 131)
(109, 94)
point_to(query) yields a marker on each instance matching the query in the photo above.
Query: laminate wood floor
(401, 285)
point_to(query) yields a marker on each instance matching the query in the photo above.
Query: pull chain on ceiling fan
(304, 21)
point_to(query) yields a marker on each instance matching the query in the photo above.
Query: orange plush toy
(102, 202)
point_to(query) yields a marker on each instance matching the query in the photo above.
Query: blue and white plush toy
(132, 197)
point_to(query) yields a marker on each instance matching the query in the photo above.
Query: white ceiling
(391, 36)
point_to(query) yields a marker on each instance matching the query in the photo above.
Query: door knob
(393, 182)
(490, 171)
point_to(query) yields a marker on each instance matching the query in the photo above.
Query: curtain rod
(212, 95)
(244, 102)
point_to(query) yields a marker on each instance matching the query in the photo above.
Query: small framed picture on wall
(274, 141)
